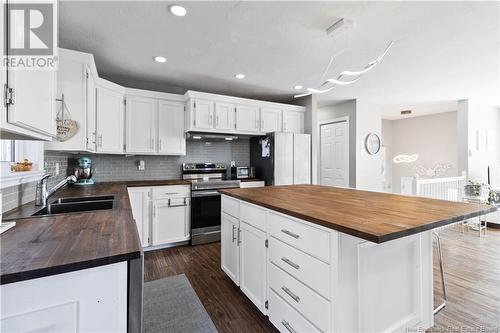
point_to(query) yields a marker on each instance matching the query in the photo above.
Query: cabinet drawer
(253, 215)
(312, 306)
(257, 183)
(309, 239)
(165, 192)
(311, 271)
(285, 318)
(230, 206)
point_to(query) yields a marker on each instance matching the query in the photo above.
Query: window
(12, 151)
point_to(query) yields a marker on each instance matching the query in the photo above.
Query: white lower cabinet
(253, 264)
(229, 247)
(309, 278)
(87, 300)
(285, 318)
(140, 203)
(169, 220)
(162, 214)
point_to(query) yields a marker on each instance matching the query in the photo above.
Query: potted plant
(474, 189)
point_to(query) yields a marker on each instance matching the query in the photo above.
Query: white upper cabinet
(293, 122)
(110, 114)
(225, 114)
(171, 135)
(247, 118)
(203, 114)
(33, 103)
(91, 139)
(30, 106)
(270, 120)
(140, 118)
(72, 86)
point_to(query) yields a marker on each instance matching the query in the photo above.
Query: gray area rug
(171, 305)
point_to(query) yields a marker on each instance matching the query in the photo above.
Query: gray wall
(119, 167)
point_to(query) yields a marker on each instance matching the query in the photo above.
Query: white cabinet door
(171, 136)
(253, 265)
(203, 111)
(170, 220)
(34, 102)
(270, 120)
(247, 118)
(302, 159)
(109, 121)
(293, 122)
(139, 202)
(140, 118)
(91, 111)
(71, 83)
(229, 247)
(225, 116)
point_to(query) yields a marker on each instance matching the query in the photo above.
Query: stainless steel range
(206, 179)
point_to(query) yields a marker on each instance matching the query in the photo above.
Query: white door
(203, 114)
(229, 247)
(225, 116)
(140, 119)
(335, 154)
(171, 135)
(302, 159)
(109, 121)
(247, 118)
(91, 112)
(139, 202)
(293, 122)
(283, 158)
(253, 265)
(35, 100)
(170, 217)
(270, 120)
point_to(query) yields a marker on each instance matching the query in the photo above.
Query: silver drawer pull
(288, 327)
(170, 193)
(291, 294)
(181, 205)
(289, 233)
(291, 263)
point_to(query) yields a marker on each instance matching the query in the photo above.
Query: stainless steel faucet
(43, 194)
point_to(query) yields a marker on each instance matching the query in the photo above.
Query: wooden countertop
(376, 217)
(42, 246)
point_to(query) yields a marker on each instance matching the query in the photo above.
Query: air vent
(405, 112)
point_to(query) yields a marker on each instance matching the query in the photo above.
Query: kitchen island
(324, 259)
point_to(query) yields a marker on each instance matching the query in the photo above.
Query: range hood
(195, 136)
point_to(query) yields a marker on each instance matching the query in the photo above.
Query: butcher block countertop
(42, 246)
(373, 216)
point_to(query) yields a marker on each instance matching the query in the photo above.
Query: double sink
(77, 204)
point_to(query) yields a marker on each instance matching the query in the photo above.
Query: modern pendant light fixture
(329, 84)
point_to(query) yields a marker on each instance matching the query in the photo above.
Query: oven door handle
(200, 194)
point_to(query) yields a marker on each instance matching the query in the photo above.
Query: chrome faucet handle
(44, 177)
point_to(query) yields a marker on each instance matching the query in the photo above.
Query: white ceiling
(443, 51)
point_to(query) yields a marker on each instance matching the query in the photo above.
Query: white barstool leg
(441, 268)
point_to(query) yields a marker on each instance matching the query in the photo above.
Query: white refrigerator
(282, 158)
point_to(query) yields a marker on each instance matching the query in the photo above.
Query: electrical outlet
(141, 165)
(57, 168)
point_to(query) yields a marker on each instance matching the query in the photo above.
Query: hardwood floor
(472, 273)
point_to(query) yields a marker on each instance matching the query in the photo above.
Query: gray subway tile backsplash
(120, 167)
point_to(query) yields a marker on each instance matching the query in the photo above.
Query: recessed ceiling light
(177, 10)
(160, 59)
(298, 87)
(240, 76)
